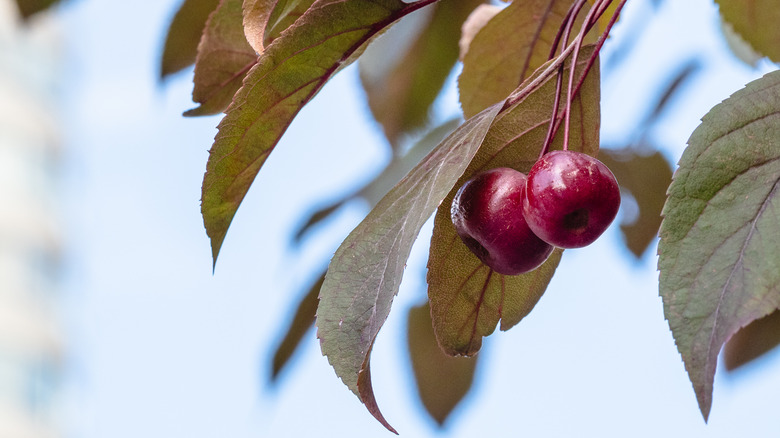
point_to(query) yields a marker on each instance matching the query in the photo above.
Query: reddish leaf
(366, 270)
(507, 50)
(302, 321)
(442, 381)
(467, 298)
(401, 96)
(646, 177)
(181, 43)
(288, 74)
(224, 58)
(752, 341)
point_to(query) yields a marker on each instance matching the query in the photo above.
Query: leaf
(29, 7)
(224, 58)
(181, 43)
(467, 298)
(302, 321)
(442, 381)
(738, 46)
(366, 270)
(401, 96)
(752, 341)
(288, 74)
(523, 31)
(756, 21)
(645, 176)
(389, 177)
(719, 253)
(478, 18)
(284, 15)
(256, 16)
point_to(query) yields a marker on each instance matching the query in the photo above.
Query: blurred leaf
(442, 381)
(603, 22)
(646, 177)
(507, 50)
(30, 7)
(389, 177)
(757, 22)
(467, 298)
(299, 326)
(287, 76)
(181, 43)
(478, 18)
(690, 67)
(224, 58)
(752, 341)
(738, 46)
(719, 253)
(400, 98)
(366, 270)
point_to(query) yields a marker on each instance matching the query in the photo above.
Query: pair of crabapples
(512, 222)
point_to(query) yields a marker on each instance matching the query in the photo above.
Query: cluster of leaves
(261, 61)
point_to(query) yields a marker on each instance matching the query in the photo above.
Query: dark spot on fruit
(576, 220)
(480, 251)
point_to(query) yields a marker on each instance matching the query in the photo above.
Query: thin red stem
(595, 54)
(563, 33)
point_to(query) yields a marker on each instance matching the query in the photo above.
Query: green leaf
(523, 31)
(401, 96)
(366, 270)
(284, 15)
(442, 381)
(287, 76)
(467, 298)
(719, 253)
(224, 58)
(752, 341)
(645, 176)
(301, 322)
(181, 43)
(756, 21)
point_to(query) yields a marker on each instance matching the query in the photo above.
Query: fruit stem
(596, 12)
(599, 9)
(563, 34)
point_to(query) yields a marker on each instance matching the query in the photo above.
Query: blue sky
(160, 347)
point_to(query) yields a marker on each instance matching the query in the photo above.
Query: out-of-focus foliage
(181, 43)
(442, 381)
(645, 176)
(29, 7)
(756, 21)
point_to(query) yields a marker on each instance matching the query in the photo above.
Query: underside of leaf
(366, 270)
(719, 254)
(467, 298)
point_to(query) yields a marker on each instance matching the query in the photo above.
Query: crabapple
(487, 212)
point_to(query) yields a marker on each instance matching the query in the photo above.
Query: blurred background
(113, 325)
